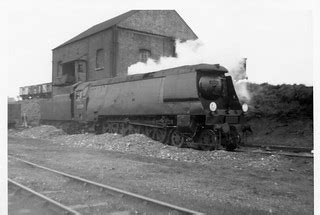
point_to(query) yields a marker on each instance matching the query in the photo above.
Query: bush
(281, 101)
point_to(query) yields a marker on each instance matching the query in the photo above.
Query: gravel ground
(206, 181)
(294, 133)
(71, 193)
(141, 145)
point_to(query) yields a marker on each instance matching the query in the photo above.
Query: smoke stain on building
(107, 49)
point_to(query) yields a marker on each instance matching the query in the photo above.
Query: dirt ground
(217, 182)
(295, 132)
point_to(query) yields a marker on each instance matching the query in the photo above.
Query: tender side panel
(57, 108)
(133, 98)
(180, 87)
(169, 95)
(96, 95)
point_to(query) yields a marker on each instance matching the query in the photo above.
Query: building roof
(108, 24)
(100, 27)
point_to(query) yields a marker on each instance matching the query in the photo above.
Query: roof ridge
(100, 27)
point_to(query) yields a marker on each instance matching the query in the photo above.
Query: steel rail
(113, 189)
(288, 154)
(280, 147)
(40, 196)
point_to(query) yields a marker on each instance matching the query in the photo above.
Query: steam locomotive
(194, 106)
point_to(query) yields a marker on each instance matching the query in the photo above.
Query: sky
(275, 36)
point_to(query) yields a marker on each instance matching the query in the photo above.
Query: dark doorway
(68, 72)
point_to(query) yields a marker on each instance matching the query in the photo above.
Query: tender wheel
(148, 132)
(98, 128)
(207, 140)
(138, 129)
(115, 128)
(159, 134)
(107, 128)
(177, 139)
(131, 129)
(126, 129)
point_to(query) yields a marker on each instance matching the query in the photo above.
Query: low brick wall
(31, 109)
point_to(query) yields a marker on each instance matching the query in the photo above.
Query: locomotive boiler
(194, 106)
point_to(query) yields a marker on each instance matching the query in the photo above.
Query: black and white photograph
(160, 107)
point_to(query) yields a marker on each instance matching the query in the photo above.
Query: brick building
(109, 48)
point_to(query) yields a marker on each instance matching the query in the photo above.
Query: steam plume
(195, 52)
(239, 76)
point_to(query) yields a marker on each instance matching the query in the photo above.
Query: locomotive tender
(193, 106)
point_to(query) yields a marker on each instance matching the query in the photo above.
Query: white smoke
(188, 53)
(193, 52)
(241, 88)
(238, 72)
(240, 78)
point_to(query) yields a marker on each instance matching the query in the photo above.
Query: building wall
(131, 42)
(128, 46)
(30, 111)
(71, 52)
(152, 30)
(163, 22)
(103, 41)
(85, 49)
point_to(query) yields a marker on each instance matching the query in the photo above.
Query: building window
(144, 55)
(99, 59)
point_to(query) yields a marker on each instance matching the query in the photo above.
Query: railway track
(104, 199)
(278, 149)
(22, 199)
